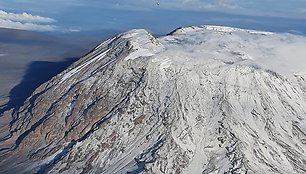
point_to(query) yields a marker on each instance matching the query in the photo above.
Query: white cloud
(25, 26)
(25, 17)
(2, 55)
(25, 21)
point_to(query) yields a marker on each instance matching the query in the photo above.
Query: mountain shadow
(37, 73)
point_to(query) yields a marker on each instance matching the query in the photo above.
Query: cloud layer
(25, 21)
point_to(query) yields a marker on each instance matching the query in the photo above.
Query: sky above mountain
(155, 15)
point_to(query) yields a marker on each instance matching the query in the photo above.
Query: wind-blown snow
(144, 45)
(203, 99)
(282, 53)
(79, 68)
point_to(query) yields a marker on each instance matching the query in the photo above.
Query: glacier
(202, 99)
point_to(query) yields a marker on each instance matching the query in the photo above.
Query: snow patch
(143, 44)
(79, 68)
(218, 29)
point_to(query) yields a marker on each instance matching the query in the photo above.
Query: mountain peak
(191, 29)
(142, 43)
(210, 100)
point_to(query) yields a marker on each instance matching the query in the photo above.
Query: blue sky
(157, 16)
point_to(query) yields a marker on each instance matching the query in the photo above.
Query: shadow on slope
(37, 73)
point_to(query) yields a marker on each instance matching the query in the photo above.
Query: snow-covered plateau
(205, 99)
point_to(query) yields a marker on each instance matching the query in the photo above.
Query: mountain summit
(205, 99)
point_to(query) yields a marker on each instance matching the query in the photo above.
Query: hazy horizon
(76, 17)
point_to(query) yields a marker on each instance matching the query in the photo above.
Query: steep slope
(201, 100)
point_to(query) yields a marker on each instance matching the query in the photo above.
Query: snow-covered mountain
(205, 99)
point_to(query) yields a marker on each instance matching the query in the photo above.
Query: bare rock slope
(203, 99)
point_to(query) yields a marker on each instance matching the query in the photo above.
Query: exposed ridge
(182, 30)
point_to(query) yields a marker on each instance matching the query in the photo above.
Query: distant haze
(159, 17)
(24, 52)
